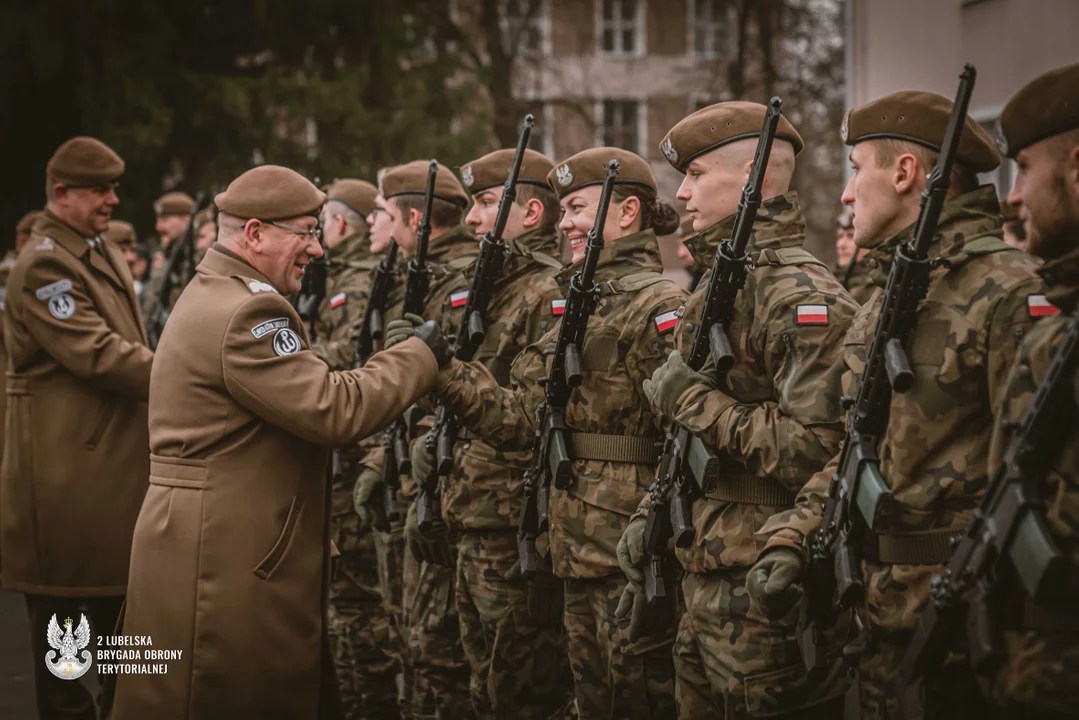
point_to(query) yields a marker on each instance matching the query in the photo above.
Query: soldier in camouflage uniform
(615, 433)
(517, 652)
(1040, 129)
(775, 421)
(855, 278)
(173, 211)
(429, 624)
(360, 630)
(205, 231)
(982, 299)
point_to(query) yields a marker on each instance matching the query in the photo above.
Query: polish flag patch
(812, 315)
(459, 298)
(1039, 307)
(667, 321)
(337, 300)
(558, 307)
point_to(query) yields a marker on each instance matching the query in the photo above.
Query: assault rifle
(858, 498)
(395, 439)
(472, 331)
(550, 457)
(313, 286)
(1009, 528)
(180, 254)
(687, 464)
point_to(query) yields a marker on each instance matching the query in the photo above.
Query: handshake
(409, 326)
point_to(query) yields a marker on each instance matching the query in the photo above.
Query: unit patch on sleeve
(558, 307)
(459, 298)
(338, 300)
(263, 329)
(60, 286)
(62, 306)
(811, 315)
(666, 321)
(286, 342)
(1039, 307)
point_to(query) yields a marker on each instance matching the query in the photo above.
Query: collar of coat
(352, 248)
(67, 237)
(1062, 280)
(779, 224)
(455, 243)
(220, 260)
(634, 253)
(968, 217)
(530, 253)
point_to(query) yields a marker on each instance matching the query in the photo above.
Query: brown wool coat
(231, 550)
(75, 467)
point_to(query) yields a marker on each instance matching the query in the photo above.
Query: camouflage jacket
(157, 278)
(627, 338)
(484, 491)
(449, 255)
(348, 285)
(777, 418)
(1041, 667)
(860, 283)
(967, 333)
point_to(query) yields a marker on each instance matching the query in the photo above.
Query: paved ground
(16, 669)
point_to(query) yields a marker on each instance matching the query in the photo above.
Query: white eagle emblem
(844, 129)
(1002, 141)
(667, 147)
(68, 667)
(466, 176)
(564, 175)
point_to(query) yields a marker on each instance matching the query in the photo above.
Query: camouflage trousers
(361, 634)
(439, 668)
(613, 677)
(1039, 677)
(732, 662)
(895, 596)
(390, 553)
(520, 666)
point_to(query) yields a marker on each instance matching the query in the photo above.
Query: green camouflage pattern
(934, 455)
(349, 282)
(622, 348)
(1041, 667)
(612, 676)
(520, 666)
(777, 417)
(154, 282)
(733, 662)
(860, 283)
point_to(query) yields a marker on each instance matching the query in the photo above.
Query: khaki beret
(359, 195)
(270, 192)
(411, 179)
(717, 125)
(1048, 105)
(26, 222)
(590, 168)
(84, 162)
(174, 203)
(206, 215)
(120, 232)
(493, 168)
(919, 117)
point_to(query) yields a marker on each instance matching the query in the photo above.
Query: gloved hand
(423, 462)
(400, 330)
(414, 326)
(546, 594)
(365, 500)
(630, 551)
(670, 380)
(432, 546)
(773, 582)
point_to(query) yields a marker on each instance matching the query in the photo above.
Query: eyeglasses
(315, 232)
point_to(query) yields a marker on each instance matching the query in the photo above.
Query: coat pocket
(266, 568)
(104, 417)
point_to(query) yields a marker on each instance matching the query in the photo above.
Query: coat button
(468, 444)
(873, 262)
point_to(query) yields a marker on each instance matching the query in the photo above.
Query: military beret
(919, 117)
(120, 232)
(1048, 105)
(411, 179)
(493, 168)
(843, 221)
(270, 192)
(174, 203)
(26, 222)
(206, 215)
(359, 195)
(84, 162)
(590, 168)
(717, 125)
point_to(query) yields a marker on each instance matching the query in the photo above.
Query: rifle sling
(933, 547)
(784, 257)
(749, 490)
(615, 448)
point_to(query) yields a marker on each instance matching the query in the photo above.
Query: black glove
(430, 333)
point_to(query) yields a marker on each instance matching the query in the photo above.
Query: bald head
(714, 180)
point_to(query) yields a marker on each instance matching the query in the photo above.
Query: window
(620, 23)
(527, 23)
(699, 101)
(711, 23)
(620, 125)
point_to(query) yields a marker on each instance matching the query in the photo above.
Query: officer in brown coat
(75, 467)
(230, 558)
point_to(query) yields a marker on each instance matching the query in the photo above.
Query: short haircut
(552, 213)
(961, 181)
(352, 217)
(444, 214)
